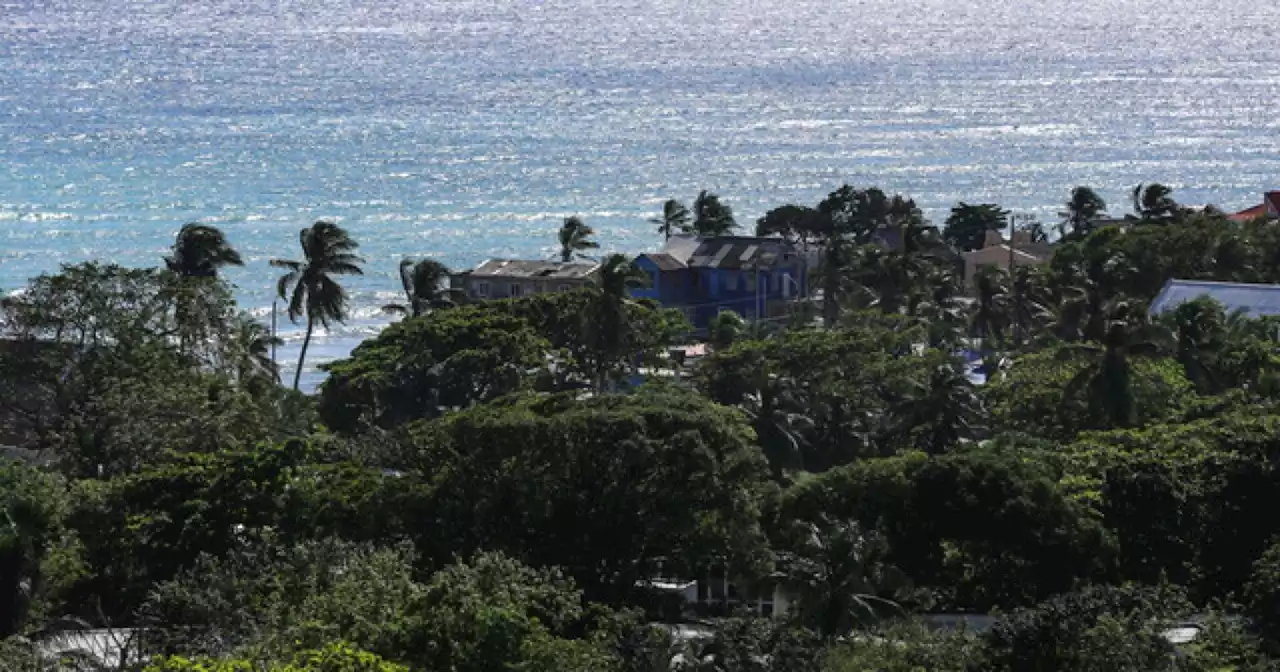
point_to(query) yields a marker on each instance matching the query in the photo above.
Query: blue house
(758, 278)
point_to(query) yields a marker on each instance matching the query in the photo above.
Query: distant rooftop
(1255, 299)
(523, 268)
(740, 252)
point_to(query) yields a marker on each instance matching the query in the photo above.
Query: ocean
(467, 129)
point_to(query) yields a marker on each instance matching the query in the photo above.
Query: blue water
(463, 129)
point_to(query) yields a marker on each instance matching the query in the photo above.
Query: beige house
(512, 278)
(997, 252)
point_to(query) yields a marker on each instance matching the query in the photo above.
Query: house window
(516, 290)
(482, 290)
(731, 282)
(565, 288)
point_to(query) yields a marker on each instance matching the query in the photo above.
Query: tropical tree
(200, 251)
(711, 217)
(966, 229)
(575, 236)
(618, 275)
(935, 413)
(1106, 377)
(327, 251)
(1082, 211)
(725, 329)
(1154, 201)
(1030, 302)
(422, 281)
(675, 219)
(835, 570)
(254, 349)
(992, 308)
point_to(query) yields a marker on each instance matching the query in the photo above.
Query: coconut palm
(711, 217)
(1106, 378)
(1082, 211)
(992, 306)
(617, 276)
(940, 310)
(328, 251)
(834, 570)
(422, 281)
(1154, 201)
(675, 219)
(935, 414)
(575, 236)
(200, 251)
(1030, 302)
(253, 343)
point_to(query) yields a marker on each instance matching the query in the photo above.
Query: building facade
(758, 278)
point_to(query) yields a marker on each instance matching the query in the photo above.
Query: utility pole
(274, 366)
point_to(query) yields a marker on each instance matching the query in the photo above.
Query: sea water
(467, 129)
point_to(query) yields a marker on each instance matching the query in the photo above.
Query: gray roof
(1255, 300)
(522, 268)
(665, 262)
(740, 252)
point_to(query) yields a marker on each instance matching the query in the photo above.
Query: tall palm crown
(1106, 378)
(1154, 201)
(992, 308)
(575, 236)
(422, 282)
(1083, 209)
(200, 251)
(617, 275)
(328, 251)
(712, 217)
(675, 218)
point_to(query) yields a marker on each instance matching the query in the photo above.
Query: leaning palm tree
(675, 219)
(711, 217)
(422, 282)
(937, 413)
(575, 236)
(1154, 201)
(328, 251)
(200, 251)
(1082, 211)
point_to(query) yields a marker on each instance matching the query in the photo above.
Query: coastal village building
(995, 251)
(758, 278)
(1256, 300)
(1269, 208)
(513, 278)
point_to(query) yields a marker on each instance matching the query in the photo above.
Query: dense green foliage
(535, 484)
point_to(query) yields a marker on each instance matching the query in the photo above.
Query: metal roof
(523, 268)
(1256, 300)
(664, 261)
(741, 252)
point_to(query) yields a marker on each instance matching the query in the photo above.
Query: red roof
(1250, 214)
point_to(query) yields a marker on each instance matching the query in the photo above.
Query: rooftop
(523, 268)
(741, 252)
(1256, 300)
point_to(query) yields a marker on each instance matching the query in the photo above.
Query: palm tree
(992, 308)
(711, 217)
(422, 282)
(834, 568)
(1106, 378)
(675, 219)
(1083, 210)
(936, 414)
(1154, 201)
(1030, 302)
(618, 275)
(253, 343)
(575, 236)
(200, 251)
(940, 311)
(725, 329)
(328, 251)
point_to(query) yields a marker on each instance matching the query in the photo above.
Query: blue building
(758, 278)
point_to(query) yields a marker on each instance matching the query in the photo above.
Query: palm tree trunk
(302, 356)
